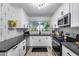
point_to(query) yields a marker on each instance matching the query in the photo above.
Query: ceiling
(33, 11)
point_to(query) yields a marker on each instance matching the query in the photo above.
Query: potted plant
(12, 23)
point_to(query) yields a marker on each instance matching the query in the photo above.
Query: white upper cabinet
(64, 8)
(61, 11)
(74, 14)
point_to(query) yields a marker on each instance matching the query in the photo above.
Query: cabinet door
(64, 51)
(45, 41)
(74, 14)
(66, 7)
(22, 48)
(41, 40)
(34, 41)
(67, 52)
(31, 39)
(49, 41)
(63, 9)
(28, 42)
(14, 51)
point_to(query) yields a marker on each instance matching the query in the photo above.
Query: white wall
(25, 18)
(12, 13)
(48, 19)
(39, 19)
(0, 24)
(22, 18)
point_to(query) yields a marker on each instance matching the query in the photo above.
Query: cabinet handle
(24, 42)
(68, 54)
(23, 47)
(39, 40)
(15, 47)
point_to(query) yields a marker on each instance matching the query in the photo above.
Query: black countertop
(40, 34)
(72, 46)
(55, 39)
(8, 44)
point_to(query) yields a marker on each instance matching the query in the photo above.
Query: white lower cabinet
(40, 41)
(14, 51)
(18, 50)
(34, 41)
(67, 52)
(22, 48)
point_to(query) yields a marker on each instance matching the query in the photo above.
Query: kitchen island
(42, 40)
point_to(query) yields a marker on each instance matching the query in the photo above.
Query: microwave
(64, 20)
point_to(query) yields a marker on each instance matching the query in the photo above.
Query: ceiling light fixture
(40, 5)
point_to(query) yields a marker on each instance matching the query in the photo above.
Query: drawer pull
(23, 47)
(15, 47)
(24, 42)
(68, 54)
